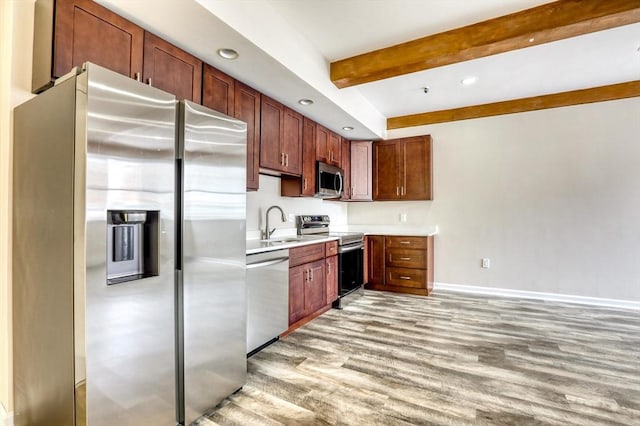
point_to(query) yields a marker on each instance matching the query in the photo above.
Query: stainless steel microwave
(329, 181)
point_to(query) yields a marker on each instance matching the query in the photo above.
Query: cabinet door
(247, 109)
(308, 157)
(361, 173)
(375, 249)
(171, 69)
(346, 167)
(331, 264)
(218, 90)
(386, 160)
(87, 32)
(322, 144)
(335, 149)
(415, 181)
(292, 142)
(271, 156)
(315, 291)
(297, 279)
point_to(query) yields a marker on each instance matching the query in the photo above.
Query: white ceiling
(286, 46)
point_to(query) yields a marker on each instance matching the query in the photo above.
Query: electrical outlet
(292, 217)
(403, 217)
(486, 263)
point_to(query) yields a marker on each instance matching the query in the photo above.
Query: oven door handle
(347, 249)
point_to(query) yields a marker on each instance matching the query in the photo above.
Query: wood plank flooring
(451, 359)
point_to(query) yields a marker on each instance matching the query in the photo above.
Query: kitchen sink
(282, 240)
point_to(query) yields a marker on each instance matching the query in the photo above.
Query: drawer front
(305, 254)
(402, 277)
(402, 258)
(406, 242)
(331, 248)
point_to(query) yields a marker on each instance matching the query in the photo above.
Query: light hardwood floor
(449, 358)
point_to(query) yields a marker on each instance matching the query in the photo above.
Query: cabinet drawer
(406, 242)
(331, 248)
(406, 258)
(305, 254)
(403, 277)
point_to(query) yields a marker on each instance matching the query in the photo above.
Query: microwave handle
(339, 176)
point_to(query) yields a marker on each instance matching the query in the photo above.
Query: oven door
(351, 267)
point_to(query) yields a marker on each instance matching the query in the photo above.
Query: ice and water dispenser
(132, 245)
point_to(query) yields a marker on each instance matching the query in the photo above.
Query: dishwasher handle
(270, 262)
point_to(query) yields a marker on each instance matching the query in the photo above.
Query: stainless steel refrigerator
(129, 299)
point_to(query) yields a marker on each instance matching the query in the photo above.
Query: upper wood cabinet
(280, 138)
(304, 186)
(218, 90)
(328, 146)
(83, 31)
(171, 69)
(361, 170)
(345, 163)
(402, 169)
(223, 93)
(247, 108)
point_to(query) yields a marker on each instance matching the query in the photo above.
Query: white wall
(16, 45)
(552, 197)
(269, 194)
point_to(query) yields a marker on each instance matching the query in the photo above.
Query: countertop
(288, 240)
(285, 242)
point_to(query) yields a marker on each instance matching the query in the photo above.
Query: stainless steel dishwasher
(267, 298)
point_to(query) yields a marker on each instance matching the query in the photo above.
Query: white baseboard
(6, 419)
(556, 297)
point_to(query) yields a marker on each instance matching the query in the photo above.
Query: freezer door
(213, 257)
(125, 332)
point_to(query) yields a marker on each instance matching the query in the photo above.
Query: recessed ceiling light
(468, 81)
(305, 102)
(347, 128)
(228, 53)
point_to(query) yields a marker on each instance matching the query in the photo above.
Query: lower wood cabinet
(400, 263)
(313, 280)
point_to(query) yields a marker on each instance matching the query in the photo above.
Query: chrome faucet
(266, 234)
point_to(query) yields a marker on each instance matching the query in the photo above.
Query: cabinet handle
(402, 191)
(402, 277)
(405, 242)
(282, 158)
(311, 274)
(397, 191)
(405, 258)
(352, 190)
(305, 274)
(137, 77)
(149, 81)
(286, 160)
(305, 184)
(328, 268)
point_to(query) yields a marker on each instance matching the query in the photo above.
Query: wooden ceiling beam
(611, 92)
(548, 22)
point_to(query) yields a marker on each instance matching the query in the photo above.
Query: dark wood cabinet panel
(405, 277)
(87, 32)
(297, 278)
(376, 259)
(247, 108)
(306, 254)
(218, 90)
(416, 166)
(386, 170)
(345, 160)
(308, 183)
(270, 134)
(331, 248)
(332, 279)
(172, 69)
(315, 290)
(322, 144)
(335, 149)
(402, 258)
(361, 175)
(292, 142)
(402, 169)
(406, 242)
